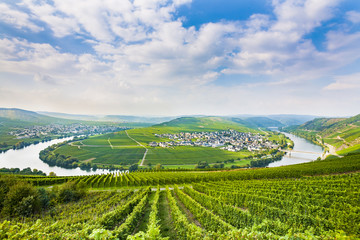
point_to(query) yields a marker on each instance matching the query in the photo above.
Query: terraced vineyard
(294, 202)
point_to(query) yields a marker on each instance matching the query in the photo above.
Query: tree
(21, 199)
(71, 191)
(133, 167)
(158, 167)
(94, 167)
(27, 206)
(52, 174)
(202, 164)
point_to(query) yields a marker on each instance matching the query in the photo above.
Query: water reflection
(307, 152)
(29, 157)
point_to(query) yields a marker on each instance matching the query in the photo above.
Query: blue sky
(160, 57)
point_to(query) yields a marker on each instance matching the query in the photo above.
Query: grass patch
(190, 155)
(353, 149)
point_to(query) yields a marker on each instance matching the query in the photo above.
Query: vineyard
(306, 201)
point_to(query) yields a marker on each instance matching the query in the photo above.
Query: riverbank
(29, 157)
(303, 151)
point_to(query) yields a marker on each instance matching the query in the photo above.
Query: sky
(181, 57)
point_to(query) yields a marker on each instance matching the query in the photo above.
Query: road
(332, 150)
(146, 150)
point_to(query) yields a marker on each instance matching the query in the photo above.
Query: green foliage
(110, 219)
(71, 191)
(153, 231)
(21, 200)
(100, 234)
(25, 171)
(133, 168)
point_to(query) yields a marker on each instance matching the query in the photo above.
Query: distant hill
(291, 119)
(205, 124)
(264, 122)
(26, 116)
(341, 133)
(279, 119)
(252, 121)
(109, 118)
(124, 118)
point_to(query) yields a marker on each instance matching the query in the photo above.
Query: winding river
(29, 157)
(304, 151)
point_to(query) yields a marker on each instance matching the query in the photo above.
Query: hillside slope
(27, 116)
(341, 133)
(200, 124)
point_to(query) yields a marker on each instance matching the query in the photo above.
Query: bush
(21, 200)
(27, 206)
(71, 192)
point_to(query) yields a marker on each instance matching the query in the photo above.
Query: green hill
(341, 133)
(27, 116)
(200, 124)
(263, 122)
(280, 119)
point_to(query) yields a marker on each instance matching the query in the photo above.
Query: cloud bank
(142, 60)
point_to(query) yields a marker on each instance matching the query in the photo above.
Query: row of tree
(25, 171)
(21, 199)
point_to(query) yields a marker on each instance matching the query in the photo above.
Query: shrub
(21, 198)
(71, 192)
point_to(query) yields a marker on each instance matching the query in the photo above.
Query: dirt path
(146, 150)
(73, 145)
(110, 143)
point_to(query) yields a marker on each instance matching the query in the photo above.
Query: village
(229, 140)
(58, 129)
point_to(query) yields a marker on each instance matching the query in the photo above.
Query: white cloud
(38, 77)
(144, 55)
(105, 20)
(345, 82)
(17, 18)
(353, 16)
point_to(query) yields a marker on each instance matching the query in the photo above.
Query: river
(29, 157)
(304, 151)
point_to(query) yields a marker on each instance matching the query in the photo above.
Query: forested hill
(341, 133)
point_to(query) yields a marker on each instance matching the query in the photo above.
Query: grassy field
(124, 150)
(116, 139)
(104, 155)
(190, 155)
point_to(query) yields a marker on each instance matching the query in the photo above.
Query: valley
(187, 178)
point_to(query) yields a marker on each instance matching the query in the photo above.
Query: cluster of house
(58, 129)
(229, 140)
